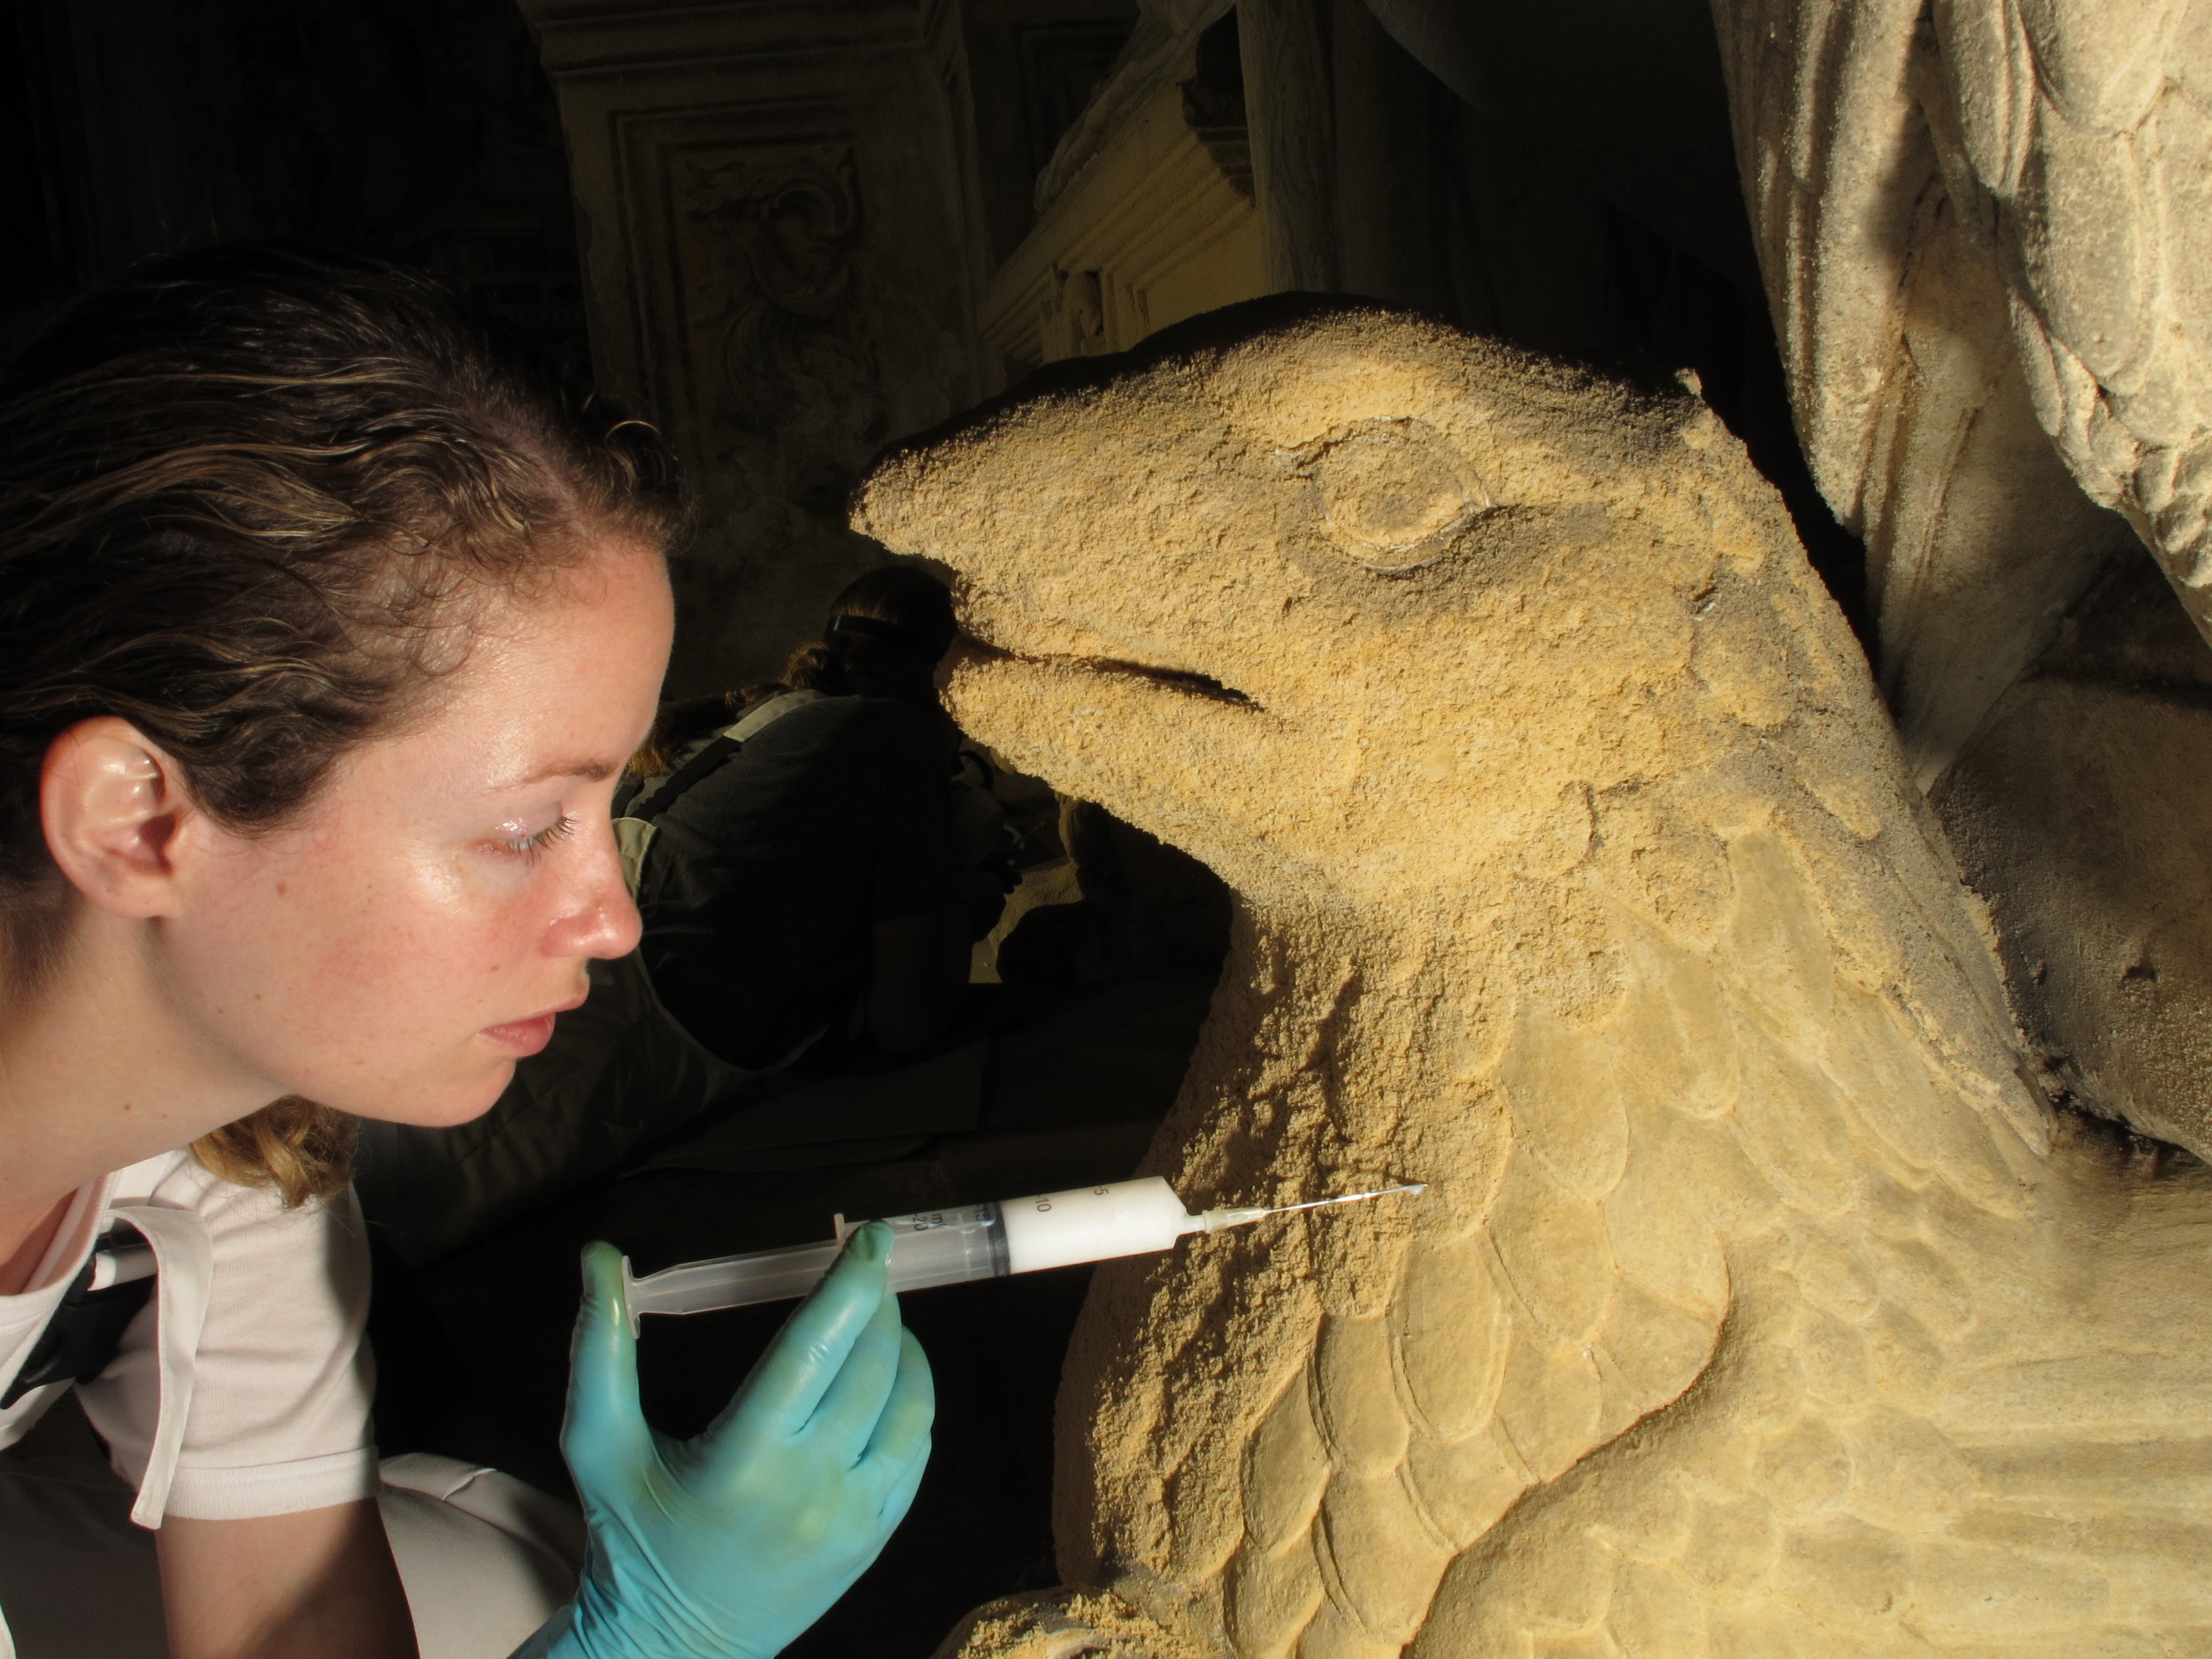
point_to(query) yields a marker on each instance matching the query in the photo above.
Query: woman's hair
(248, 498)
(885, 634)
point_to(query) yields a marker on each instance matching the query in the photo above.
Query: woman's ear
(111, 805)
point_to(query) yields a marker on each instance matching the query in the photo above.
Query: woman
(325, 628)
(812, 878)
(814, 881)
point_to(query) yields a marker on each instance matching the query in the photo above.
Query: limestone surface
(1759, 1304)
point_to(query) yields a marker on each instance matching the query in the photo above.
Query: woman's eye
(530, 845)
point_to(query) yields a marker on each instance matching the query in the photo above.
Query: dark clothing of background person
(763, 887)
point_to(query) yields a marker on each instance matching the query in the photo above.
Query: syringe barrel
(1094, 1224)
(947, 1246)
(942, 1246)
(933, 1247)
(1024, 1235)
(731, 1281)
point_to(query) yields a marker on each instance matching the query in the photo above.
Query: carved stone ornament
(1158, 226)
(771, 302)
(779, 275)
(1758, 1305)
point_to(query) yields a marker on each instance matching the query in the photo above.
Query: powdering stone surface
(1758, 1305)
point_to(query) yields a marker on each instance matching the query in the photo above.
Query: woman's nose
(608, 927)
(602, 920)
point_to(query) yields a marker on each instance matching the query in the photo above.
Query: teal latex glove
(727, 1546)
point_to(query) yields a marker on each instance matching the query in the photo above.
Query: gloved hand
(727, 1546)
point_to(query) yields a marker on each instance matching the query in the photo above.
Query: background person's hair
(247, 499)
(897, 658)
(885, 634)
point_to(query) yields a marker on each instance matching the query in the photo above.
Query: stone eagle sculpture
(1758, 1305)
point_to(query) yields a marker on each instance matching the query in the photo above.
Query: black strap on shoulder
(86, 1331)
(683, 778)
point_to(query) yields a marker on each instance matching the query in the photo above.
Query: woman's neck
(96, 1074)
(31, 1244)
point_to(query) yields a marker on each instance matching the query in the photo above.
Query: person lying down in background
(328, 625)
(815, 878)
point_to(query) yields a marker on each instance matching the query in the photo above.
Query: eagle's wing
(1948, 1410)
(1880, 256)
(2088, 123)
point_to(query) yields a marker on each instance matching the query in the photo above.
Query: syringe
(948, 1247)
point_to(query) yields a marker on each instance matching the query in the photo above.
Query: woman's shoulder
(177, 1180)
(173, 1177)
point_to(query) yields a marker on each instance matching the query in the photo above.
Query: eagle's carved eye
(1391, 493)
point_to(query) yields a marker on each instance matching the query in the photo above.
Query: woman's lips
(522, 1036)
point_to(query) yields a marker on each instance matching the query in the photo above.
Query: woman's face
(395, 951)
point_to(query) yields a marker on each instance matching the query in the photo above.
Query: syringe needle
(1217, 1219)
(1351, 1198)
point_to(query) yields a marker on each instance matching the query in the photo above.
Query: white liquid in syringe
(949, 1246)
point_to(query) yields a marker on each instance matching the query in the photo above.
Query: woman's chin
(441, 1108)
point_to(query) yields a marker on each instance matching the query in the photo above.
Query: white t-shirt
(279, 1381)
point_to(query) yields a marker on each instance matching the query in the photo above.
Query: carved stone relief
(779, 268)
(781, 374)
(772, 294)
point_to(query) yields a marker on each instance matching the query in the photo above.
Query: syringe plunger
(948, 1247)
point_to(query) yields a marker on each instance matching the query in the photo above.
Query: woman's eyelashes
(531, 845)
